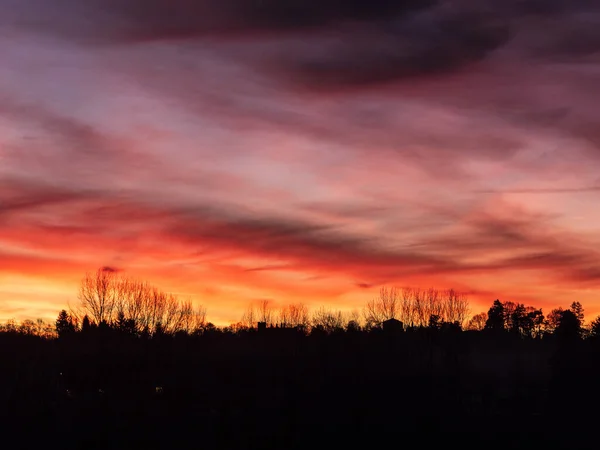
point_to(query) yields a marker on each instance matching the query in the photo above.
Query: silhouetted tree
(509, 309)
(435, 322)
(353, 326)
(296, 316)
(415, 306)
(265, 312)
(159, 331)
(384, 307)
(535, 321)
(595, 328)
(86, 325)
(98, 294)
(106, 296)
(456, 307)
(249, 317)
(328, 320)
(28, 327)
(64, 324)
(125, 325)
(477, 322)
(518, 320)
(495, 320)
(10, 326)
(569, 326)
(553, 320)
(577, 309)
(526, 321)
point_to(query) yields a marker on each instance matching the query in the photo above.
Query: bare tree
(407, 315)
(420, 312)
(299, 315)
(553, 320)
(261, 312)
(197, 322)
(328, 320)
(295, 315)
(249, 318)
(434, 304)
(108, 297)
(456, 307)
(284, 317)
(383, 307)
(372, 314)
(415, 307)
(97, 294)
(265, 312)
(477, 322)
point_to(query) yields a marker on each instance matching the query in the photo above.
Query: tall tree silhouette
(249, 317)
(577, 309)
(495, 320)
(569, 326)
(265, 312)
(86, 324)
(553, 319)
(64, 324)
(98, 294)
(526, 321)
(595, 328)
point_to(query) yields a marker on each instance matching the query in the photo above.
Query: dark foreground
(280, 389)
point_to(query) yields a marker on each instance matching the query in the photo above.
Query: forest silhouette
(131, 365)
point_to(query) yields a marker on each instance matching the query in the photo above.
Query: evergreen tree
(495, 320)
(569, 326)
(86, 326)
(64, 324)
(577, 309)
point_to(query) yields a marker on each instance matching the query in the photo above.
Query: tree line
(109, 299)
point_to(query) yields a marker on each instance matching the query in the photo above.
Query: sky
(232, 151)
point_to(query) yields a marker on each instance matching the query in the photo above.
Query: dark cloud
(104, 20)
(331, 44)
(160, 19)
(20, 195)
(406, 47)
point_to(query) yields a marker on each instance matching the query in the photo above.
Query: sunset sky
(236, 150)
